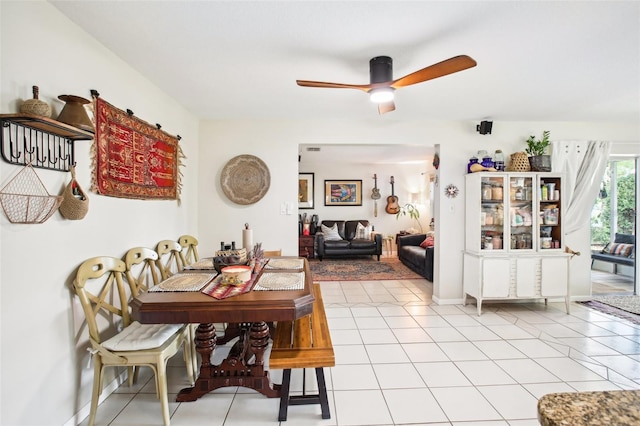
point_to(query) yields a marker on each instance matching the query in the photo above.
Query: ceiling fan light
(381, 95)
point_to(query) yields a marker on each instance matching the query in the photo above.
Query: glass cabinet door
(549, 190)
(521, 213)
(492, 220)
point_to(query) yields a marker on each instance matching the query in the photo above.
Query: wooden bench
(303, 343)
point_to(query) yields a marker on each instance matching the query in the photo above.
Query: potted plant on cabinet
(411, 210)
(539, 160)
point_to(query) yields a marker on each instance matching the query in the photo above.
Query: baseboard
(439, 301)
(84, 411)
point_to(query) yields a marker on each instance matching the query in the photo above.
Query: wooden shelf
(40, 141)
(48, 125)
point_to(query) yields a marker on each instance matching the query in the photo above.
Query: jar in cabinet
(519, 196)
(488, 220)
(550, 216)
(486, 191)
(496, 192)
(496, 241)
(488, 244)
(499, 220)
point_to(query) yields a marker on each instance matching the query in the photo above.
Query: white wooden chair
(142, 273)
(100, 287)
(169, 258)
(142, 269)
(189, 253)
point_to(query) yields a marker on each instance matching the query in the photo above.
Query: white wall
(407, 177)
(43, 356)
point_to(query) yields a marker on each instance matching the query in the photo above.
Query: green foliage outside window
(601, 213)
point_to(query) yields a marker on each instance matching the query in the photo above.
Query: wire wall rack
(40, 141)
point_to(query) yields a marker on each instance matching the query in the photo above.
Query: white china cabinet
(514, 241)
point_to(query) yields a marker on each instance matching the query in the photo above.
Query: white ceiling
(537, 61)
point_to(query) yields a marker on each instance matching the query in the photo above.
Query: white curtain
(583, 164)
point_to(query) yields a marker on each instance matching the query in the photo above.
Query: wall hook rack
(43, 142)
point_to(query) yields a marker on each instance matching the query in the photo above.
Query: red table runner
(219, 290)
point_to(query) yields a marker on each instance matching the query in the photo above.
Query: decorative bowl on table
(236, 275)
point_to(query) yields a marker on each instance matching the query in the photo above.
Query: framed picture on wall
(305, 190)
(342, 192)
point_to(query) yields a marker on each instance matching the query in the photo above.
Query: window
(615, 206)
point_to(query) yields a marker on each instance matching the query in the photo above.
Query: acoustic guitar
(392, 201)
(375, 195)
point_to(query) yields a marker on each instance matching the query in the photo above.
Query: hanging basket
(519, 162)
(26, 200)
(75, 203)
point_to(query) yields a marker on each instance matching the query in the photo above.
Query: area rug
(361, 269)
(132, 158)
(626, 307)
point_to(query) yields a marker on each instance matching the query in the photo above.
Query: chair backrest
(189, 251)
(272, 253)
(142, 269)
(102, 293)
(169, 259)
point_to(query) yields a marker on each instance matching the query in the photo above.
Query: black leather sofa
(415, 257)
(349, 245)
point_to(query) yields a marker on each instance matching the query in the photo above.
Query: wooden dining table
(250, 312)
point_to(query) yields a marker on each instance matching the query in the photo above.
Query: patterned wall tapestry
(133, 159)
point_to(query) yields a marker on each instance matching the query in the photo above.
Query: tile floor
(400, 359)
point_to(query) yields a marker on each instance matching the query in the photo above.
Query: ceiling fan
(382, 85)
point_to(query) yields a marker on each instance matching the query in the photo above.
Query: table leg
(237, 369)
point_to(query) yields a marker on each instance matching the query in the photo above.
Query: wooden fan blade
(386, 107)
(307, 83)
(446, 67)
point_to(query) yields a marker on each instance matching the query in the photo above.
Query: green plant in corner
(411, 210)
(538, 146)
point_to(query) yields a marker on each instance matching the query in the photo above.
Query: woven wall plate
(245, 179)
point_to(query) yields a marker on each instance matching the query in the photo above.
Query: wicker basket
(519, 162)
(75, 204)
(26, 200)
(241, 253)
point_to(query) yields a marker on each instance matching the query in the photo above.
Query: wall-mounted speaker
(484, 127)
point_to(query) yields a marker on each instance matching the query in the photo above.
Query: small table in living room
(305, 246)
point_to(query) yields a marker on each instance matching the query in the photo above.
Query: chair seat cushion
(141, 336)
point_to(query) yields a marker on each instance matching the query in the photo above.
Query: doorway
(613, 221)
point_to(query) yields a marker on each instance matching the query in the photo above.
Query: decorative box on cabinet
(514, 243)
(305, 246)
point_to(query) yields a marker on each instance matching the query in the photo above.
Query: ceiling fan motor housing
(380, 69)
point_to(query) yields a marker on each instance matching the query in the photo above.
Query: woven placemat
(280, 281)
(285, 264)
(184, 282)
(202, 264)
